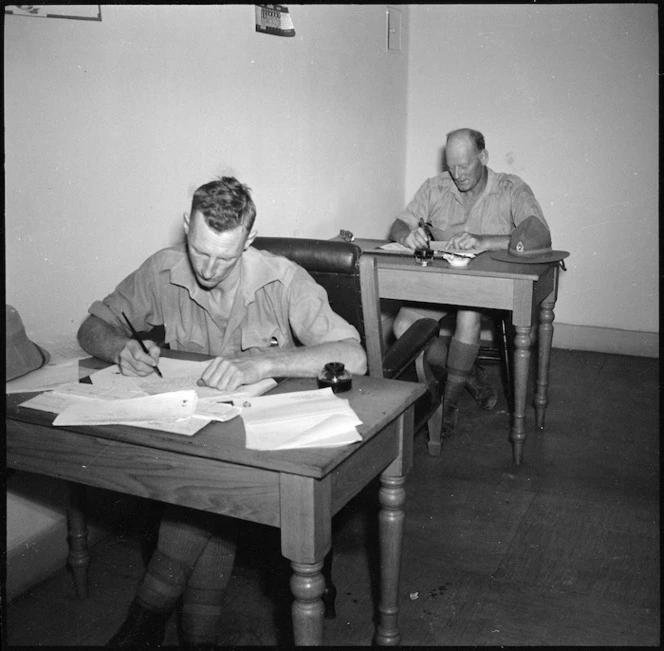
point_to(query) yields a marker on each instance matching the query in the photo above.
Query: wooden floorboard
(563, 550)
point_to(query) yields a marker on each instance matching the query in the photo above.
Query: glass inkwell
(335, 376)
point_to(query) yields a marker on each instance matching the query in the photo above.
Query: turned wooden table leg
(79, 555)
(545, 341)
(307, 586)
(521, 367)
(392, 496)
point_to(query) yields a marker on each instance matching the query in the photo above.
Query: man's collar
(490, 186)
(253, 276)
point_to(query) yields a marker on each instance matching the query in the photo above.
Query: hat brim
(544, 258)
(26, 363)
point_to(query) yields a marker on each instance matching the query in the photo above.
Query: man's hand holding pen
(132, 360)
(137, 357)
(419, 237)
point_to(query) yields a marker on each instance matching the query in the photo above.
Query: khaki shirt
(504, 204)
(277, 304)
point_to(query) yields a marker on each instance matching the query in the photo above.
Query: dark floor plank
(582, 547)
(562, 550)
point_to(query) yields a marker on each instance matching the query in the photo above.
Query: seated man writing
(472, 207)
(259, 316)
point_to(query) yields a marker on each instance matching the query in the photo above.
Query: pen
(145, 350)
(425, 227)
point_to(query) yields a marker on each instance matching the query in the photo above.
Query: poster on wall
(274, 19)
(75, 12)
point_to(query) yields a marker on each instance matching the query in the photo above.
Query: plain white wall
(567, 97)
(110, 126)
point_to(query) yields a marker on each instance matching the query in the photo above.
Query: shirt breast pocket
(264, 338)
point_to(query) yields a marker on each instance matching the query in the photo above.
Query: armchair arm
(408, 347)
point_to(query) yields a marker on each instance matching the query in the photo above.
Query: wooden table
(296, 490)
(523, 289)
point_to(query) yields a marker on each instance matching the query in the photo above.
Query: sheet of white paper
(164, 408)
(438, 246)
(396, 247)
(56, 403)
(332, 432)
(215, 410)
(53, 403)
(47, 377)
(179, 375)
(317, 416)
(57, 400)
(81, 390)
(299, 406)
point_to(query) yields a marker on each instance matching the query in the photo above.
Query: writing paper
(179, 375)
(317, 418)
(165, 408)
(45, 378)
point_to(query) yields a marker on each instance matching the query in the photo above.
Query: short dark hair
(225, 204)
(475, 137)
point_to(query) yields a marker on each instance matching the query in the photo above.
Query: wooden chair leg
(330, 592)
(435, 421)
(505, 358)
(79, 555)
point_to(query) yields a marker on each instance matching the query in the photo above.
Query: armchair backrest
(336, 266)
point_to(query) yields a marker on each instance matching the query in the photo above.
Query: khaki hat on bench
(23, 355)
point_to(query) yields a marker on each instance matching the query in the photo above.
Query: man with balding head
(472, 207)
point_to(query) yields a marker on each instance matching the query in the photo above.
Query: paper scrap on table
(444, 246)
(217, 410)
(55, 403)
(58, 399)
(178, 375)
(47, 377)
(438, 248)
(164, 408)
(317, 418)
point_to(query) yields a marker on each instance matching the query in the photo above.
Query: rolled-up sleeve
(135, 296)
(311, 318)
(419, 207)
(524, 204)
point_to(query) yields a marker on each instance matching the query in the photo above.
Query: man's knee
(468, 326)
(407, 316)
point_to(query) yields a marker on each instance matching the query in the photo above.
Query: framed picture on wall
(75, 12)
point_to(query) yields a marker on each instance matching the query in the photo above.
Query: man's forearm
(308, 361)
(101, 339)
(494, 242)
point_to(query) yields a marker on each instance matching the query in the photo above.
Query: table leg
(545, 340)
(79, 556)
(521, 368)
(392, 496)
(307, 586)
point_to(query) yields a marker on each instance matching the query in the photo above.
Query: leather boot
(479, 387)
(143, 629)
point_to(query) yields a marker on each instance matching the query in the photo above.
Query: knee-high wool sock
(460, 360)
(204, 595)
(183, 536)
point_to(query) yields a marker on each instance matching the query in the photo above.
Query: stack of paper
(178, 375)
(47, 377)
(302, 419)
(173, 404)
